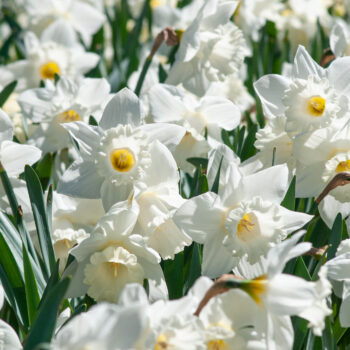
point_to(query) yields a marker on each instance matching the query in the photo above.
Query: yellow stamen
(114, 266)
(256, 288)
(49, 70)
(67, 244)
(122, 159)
(69, 116)
(244, 225)
(218, 345)
(316, 106)
(156, 3)
(179, 33)
(161, 343)
(343, 166)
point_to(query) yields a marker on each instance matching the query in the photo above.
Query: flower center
(244, 226)
(69, 116)
(256, 288)
(114, 268)
(217, 345)
(49, 70)
(316, 106)
(122, 159)
(161, 343)
(343, 166)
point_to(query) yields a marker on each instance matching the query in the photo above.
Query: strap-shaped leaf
(6, 92)
(44, 325)
(31, 288)
(41, 222)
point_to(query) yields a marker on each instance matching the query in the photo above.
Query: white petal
(82, 180)
(304, 65)
(60, 33)
(330, 207)
(163, 168)
(15, 156)
(279, 255)
(8, 338)
(228, 157)
(87, 136)
(344, 314)
(93, 92)
(260, 184)
(6, 128)
(339, 74)
(220, 111)
(289, 295)
(165, 103)
(217, 259)
(124, 108)
(112, 193)
(270, 89)
(337, 39)
(168, 134)
(85, 18)
(199, 218)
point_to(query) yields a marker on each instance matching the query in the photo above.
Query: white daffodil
(65, 102)
(252, 15)
(340, 39)
(115, 154)
(234, 89)
(157, 197)
(208, 115)
(14, 156)
(211, 48)
(78, 16)
(112, 257)
(72, 218)
(245, 218)
(299, 20)
(287, 295)
(273, 136)
(171, 324)
(46, 58)
(104, 326)
(321, 155)
(338, 273)
(231, 320)
(166, 14)
(312, 98)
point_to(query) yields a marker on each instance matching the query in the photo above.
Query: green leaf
(14, 242)
(248, 149)
(162, 74)
(301, 269)
(92, 121)
(300, 331)
(142, 76)
(31, 289)
(328, 339)
(173, 273)
(198, 162)
(53, 280)
(289, 199)
(14, 281)
(44, 325)
(44, 169)
(195, 267)
(215, 187)
(40, 217)
(6, 92)
(335, 236)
